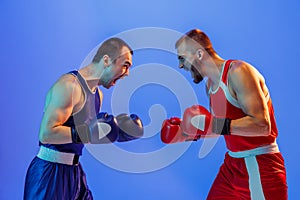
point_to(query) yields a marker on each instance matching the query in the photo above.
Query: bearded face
(196, 74)
(186, 65)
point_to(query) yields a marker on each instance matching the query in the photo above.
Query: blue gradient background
(40, 40)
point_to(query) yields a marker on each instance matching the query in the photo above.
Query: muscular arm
(249, 88)
(60, 102)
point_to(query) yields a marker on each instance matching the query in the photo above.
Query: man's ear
(106, 60)
(199, 54)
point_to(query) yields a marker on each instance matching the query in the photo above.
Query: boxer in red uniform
(241, 110)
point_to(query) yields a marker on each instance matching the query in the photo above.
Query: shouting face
(118, 68)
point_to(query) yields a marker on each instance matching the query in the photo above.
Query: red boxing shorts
(254, 174)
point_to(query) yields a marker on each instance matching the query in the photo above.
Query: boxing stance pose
(71, 119)
(240, 110)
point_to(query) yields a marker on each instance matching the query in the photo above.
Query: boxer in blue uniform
(71, 119)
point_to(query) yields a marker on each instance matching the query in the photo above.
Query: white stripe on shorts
(255, 186)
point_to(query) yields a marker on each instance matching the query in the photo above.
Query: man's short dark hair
(111, 47)
(196, 36)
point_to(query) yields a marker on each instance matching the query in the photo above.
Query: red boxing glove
(171, 132)
(196, 121)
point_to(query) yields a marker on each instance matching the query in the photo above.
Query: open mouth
(115, 80)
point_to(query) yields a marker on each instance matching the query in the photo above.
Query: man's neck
(89, 75)
(216, 69)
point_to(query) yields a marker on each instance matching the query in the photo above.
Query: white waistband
(56, 156)
(271, 148)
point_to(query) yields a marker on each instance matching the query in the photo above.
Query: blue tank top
(87, 113)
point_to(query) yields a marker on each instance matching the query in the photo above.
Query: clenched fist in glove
(130, 127)
(171, 132)
(103, 129)
(107, 129)
(197, 120)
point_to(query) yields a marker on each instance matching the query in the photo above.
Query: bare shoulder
(66, 83)
(239, 66)
(65, 88)
(241, 69)
(244, 77)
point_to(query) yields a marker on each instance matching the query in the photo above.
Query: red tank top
(223, 105)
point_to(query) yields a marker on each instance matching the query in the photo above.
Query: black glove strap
(80, 134)
(193, 139)
(221, 126)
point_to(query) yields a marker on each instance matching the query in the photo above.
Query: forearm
(250, 126)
